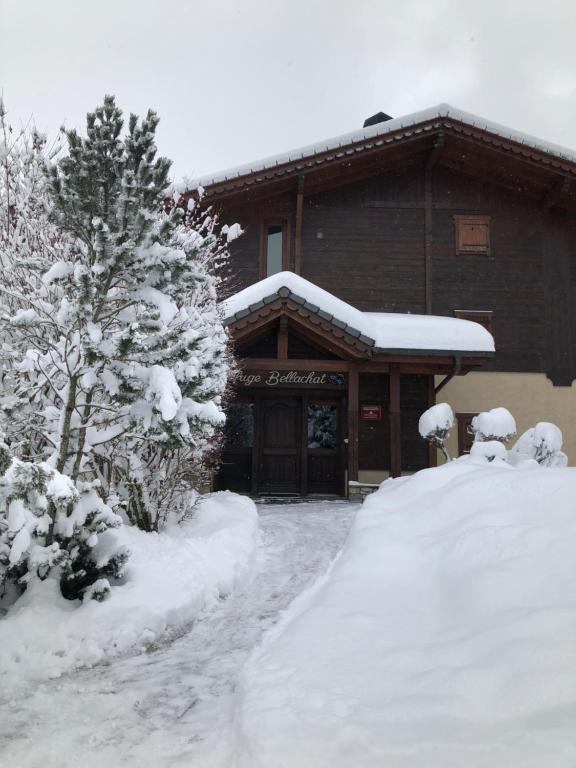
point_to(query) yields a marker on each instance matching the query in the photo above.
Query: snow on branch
(496, 424)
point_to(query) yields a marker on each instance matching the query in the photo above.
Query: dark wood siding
(374, 436)
(357, 244)
(509, 281)
(364, 242)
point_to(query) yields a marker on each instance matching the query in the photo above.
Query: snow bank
(388, 330)
(171, 577)
(444, 636)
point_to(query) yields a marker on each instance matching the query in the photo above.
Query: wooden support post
(298, 232)
(428, 205)
(255, 468)
(282, 351)
(432, 450)
(353, 408)
(395, 428)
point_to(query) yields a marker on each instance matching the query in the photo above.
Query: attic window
(274, 251)
(481, 316)
(472, 235)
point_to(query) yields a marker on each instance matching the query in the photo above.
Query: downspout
(455, 371)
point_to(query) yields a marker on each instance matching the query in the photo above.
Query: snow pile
(170, 578)
(444, 636)
(388, 330)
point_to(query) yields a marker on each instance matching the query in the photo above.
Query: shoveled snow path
(174, 705)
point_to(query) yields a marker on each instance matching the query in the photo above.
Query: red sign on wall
(371, 412)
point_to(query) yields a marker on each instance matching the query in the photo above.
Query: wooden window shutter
(472, 235)
(465, 436)
(481, 316)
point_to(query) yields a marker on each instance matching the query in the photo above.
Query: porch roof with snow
(377, 332)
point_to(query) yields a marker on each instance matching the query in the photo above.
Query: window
(481, 316)
(465, 434)
(274, 248)
(239, 425)
(472, 235)
(323, 425)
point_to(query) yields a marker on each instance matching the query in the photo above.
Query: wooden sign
(371, 412)
(295, 378)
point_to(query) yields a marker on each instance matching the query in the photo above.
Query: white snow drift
(444, 636)
(170, 578)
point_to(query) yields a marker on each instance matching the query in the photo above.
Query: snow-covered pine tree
(34, 542)
(46, 520)
(121, 337)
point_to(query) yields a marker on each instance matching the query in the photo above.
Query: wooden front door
(280, 445)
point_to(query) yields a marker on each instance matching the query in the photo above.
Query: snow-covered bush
(496, 424)
(488, 450)
(542, 443)
(115, 353)
(48, 525)
(435, 425)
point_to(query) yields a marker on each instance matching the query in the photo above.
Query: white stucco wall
(530, 397)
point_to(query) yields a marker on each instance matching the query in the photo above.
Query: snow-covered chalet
(419, 259)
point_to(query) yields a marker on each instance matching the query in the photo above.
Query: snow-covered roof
(385, 331)
(380, 130)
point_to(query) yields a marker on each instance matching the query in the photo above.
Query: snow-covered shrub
(49, 526)
(488, 450)
(435, 425)
(496, 424)
(542, 443)
(115, 353)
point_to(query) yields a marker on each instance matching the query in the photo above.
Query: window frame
(464, 419)
(474, 220)
(266, 223)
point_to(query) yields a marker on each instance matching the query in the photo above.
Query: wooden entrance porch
(299, 363)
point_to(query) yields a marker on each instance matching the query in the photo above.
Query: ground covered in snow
(177, 703)
(170, 578)
(444, 635)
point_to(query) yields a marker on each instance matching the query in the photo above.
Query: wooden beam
(304, 445)
(432, 450)
(271, 363)
(395, 428)
(256, 445)
(298, 232)
(283, 338)
(353, 408)
(428, 222)
(554, 196)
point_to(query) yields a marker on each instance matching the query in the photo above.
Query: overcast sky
(235, 80)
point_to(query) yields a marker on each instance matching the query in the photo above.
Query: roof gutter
(455, 371)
